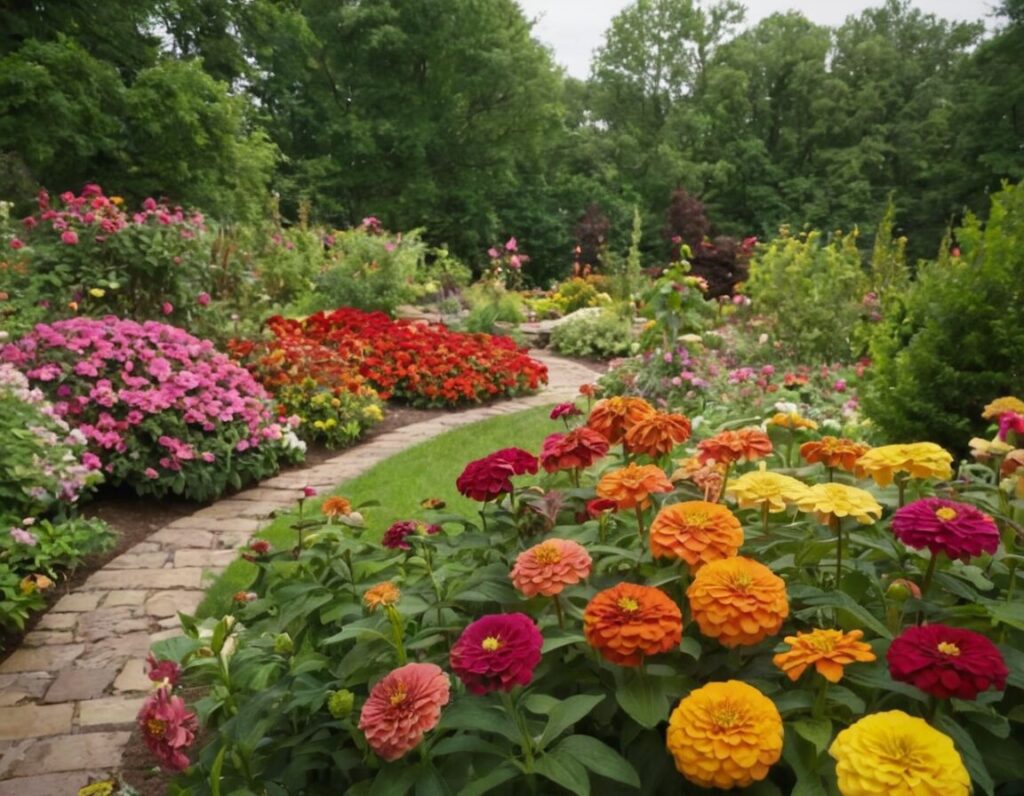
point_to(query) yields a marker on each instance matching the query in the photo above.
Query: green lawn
(398, 484)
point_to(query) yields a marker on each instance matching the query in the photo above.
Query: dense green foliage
(600, 334)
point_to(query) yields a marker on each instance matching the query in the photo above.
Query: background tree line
(449, 116)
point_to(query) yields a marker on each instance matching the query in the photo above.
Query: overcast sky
(574, 28)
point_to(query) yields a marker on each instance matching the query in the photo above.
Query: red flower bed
(423, 364)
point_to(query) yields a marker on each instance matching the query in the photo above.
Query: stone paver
(81, 673)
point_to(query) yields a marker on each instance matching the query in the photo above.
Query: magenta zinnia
(168, 728)
(945, 526)
(947, 661)
(497, 652)
(402, 706)
(490, 477)
(395, 536)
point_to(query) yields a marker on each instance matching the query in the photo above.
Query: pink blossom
(150, 473)
(493, 253)
(511, 244)
(167, 308)
(308, 491)
(203, 299)
(17, 244)
(69, 237)
(149, 204)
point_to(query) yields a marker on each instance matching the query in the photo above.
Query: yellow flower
(373, 412)
(898, 755)
(791, 420)
(103, 788)
(725, 735)
(827, 650)
(840, 500)
(918, 459)
(983, 449)
(1000, 406)
(762, 488)
(97, 292)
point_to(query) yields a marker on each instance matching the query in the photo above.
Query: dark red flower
(578, 448)
(168, 728)
(565, 410)
(598, 506)
(520, 461)
(947, 661)
(395, 536)
(945, 526)
(490, 477)
(162, 670)
(497, 652)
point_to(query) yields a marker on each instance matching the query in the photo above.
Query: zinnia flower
(708, 476)
(725, 735)
(633, 485)
(763, 488)
(827, 650)
(726, 447)
(738, 601)
(918, 459)
(792, 421)
(839, 500)
(696, 532)
(945, 526)
(162, 671)
(893, 753)
(549, 567)
(946, 661)
(833, 452)
(497, 652)
(628, 621)
(382, 595)
(336, 506)
(578, 448)
(402, 706)
(1000, 406)
(1011, 422)
(490, 477)
(395, 537)
(983, 449)
(657, 434)
(168, 728)
(613, 417)
(564, 410)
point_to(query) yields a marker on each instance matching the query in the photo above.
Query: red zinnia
(577, 449)
(945, 526)
(947, 661)
(402, 706)
(395, 536)
(168, 728)
(162, 670)
(490, 477)
(497, 652)
(565, 410)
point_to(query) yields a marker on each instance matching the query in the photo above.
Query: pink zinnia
(1011, 421)
(402, 706)
(579, 448)
(947, 661)
(69, 237)
(168, 729)
(497, 652)
(16, 243)
(549, 567)
(945, 526)
(565, 410)
(203, 299)
(159, 671)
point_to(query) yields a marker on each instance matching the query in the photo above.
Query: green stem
(837, 526)
(821, 700)
(396, 632)
(559, 613)
(901, 487)
(725, 481)
(764, 518)
(517, 719)
(640, 521)
(926, 584)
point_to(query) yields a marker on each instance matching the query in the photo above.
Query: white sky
(574, 28)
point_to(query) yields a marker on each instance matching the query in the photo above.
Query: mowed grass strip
(399, 484)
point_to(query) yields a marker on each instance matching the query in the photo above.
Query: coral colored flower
(168, 728)
(839, 500)
(588, 390)
(395, 536)
(162, 671)
(738, 601)
(549, 567)
(633, 485)
(726, 447)
(497, 652)
(402, 706)
(893, 753)
(613, 417)
(792, 421)
(578, 448)
(381, 596)
(918, 460)
(946, 661)
(709, 477)
(833, 452)
(696, 532)
(565, 410)
(336, 506)
(828, 651)
(725, 735)
(658, 434)
(629, 621)
(1001, 406)
(945, 526)
(490, 477)
(763, 488)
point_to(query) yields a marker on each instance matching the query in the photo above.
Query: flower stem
(837, 526)
(640, 521)
(926, 584)
(901, 487)
(764, 518)
(559, 613)
(821, 700)
(396, 632)
(517, 719)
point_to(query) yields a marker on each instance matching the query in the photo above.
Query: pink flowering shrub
(160, 410)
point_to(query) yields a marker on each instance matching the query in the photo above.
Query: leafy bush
(960, 341)
(162, 410)
(578, 292)
(490, 304)
(593, 333)
(676, 305)
(812, 292)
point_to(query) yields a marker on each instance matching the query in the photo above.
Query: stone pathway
(70, 694)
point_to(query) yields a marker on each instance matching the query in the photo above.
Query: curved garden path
(69, 695)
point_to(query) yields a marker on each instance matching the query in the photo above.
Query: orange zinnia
(827, 650)
(707, 477)
(738, 601)
(628, 621)
(633, 485)
(727, 447)
(658, 434)
(833, 452)
(613, 417)
(696, 532)
(382, 595)
(336, 507)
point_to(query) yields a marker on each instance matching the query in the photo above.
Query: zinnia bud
(340, 703)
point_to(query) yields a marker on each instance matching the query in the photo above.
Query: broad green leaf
(599, 758)
(644, 699)
(566, 713)
(817, 731)
(492, 779)
(563, 770)
(969, 752)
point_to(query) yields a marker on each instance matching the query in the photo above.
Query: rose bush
(161, 411)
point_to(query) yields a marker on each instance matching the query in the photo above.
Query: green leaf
(394, 779)
(474, 714)
(599, 758)
(690, 646)
(563, 770)
(644, 699)
(556, 642)
(496, 777)
(837, 599)
(462, 744)
(817, 731)
(969, 752)
(566, 713)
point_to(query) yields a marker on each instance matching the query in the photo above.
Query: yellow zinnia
(840, 500)
(1000, 406)
(791, 420)
(898, 755)
(97, 292)
(983, 449)
(918, 459)
(763, 488)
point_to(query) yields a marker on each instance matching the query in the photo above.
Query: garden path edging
(70, 693)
